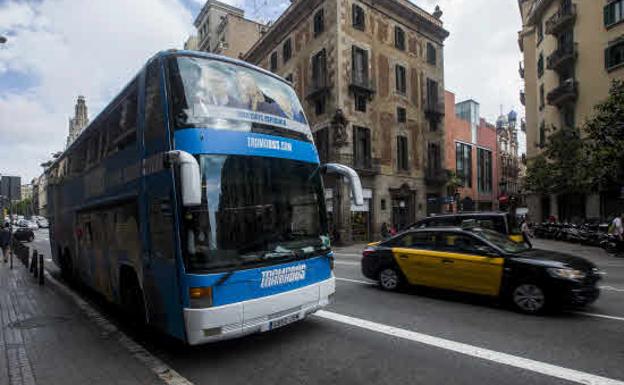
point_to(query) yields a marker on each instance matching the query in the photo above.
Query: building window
(484, 170)
(287, 50)
(319, 105)
(463, 163)
(542, 134)
(402, 154)
(319, 70)
(361, 147)
(433, 159)
(432, 101)
(360, 102)
(321, 139)
(401, 115)
(542, 98)
(431, 54)
(614, 56)
(360, 66)
(399, 38)
(273, 61)
(401, 81)
(567, 116)
(359, 17)
(540, 32)
(540, 65)
(319, 22)
(613, 13)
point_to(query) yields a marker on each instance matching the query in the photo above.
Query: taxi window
(419, 240)
(461, 243)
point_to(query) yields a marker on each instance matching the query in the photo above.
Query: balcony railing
(319, 86)
(362, 86)
(562, 57)
(436, 176)
(566, 15)
(434, 109)
(521, 70)
(567, 92)
(522, 98)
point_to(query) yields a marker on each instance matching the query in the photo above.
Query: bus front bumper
(257, 315)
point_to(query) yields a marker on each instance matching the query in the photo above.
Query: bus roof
(158, 55)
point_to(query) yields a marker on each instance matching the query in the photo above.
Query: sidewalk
(45, 339)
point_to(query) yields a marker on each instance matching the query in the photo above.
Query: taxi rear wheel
(529, 298)
(390, 278)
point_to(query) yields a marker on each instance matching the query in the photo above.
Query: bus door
(161, 270)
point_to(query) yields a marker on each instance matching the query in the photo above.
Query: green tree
(605, 139)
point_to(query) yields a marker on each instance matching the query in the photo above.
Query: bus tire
(132, 300)
(67, 266)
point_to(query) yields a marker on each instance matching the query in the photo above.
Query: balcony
(565, 16)
(434, 109)
(436, 177)
(562, 57)
(522, 98)
(521, 70)
(362, 86)
(566, 93)
(319, 87)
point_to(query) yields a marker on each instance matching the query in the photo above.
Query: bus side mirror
(190, 177)
(352, 176)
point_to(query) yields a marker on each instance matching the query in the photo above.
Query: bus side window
(155, 130)
(161, 228)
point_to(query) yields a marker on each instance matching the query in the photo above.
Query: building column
(592, 206)
(342, 212)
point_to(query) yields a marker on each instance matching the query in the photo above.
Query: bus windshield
(255, 210)
(216, 94)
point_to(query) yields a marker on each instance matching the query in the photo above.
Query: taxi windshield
(501, 241)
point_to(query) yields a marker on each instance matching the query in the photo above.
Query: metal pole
(40, 269)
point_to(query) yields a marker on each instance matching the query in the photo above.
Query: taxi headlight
(567, 273)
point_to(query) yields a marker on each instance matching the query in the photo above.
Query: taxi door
(420, 263)
(471, 265)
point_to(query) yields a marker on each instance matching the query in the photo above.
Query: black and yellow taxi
(485, 262)
(499, 221)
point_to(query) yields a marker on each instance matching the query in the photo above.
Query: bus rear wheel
(132, 302)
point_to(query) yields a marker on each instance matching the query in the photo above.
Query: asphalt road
(419, 337)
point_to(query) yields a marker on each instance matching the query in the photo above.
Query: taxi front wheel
(390, 278)
(529, 298)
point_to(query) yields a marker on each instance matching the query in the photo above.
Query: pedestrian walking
(393, 230)
(5, 241)
(526, 233)
(617, 227)
(385, 233)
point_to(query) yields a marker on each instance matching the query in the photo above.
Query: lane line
(349, 254)
(612, 288)
(605, 316)
(473, 351)
(611, 317)
(347, 263)
(153, 363)
(370, 283)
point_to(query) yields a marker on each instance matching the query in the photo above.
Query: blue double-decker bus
(195, 201)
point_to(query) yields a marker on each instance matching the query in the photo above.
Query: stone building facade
(572, 51)
(471, 151)
(371, 77)
(224, 30)
(510, 161)
(79, 121)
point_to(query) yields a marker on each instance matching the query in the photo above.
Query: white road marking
(158, 367)
(347, 263)
(605, 316)
(611, 288)
(611, 317)
(349, 255)
(371, 283)
(473, 351)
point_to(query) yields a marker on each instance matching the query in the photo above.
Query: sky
(59, 49)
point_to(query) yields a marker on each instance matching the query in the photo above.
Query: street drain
(38, 322)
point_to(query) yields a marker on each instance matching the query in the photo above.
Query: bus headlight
(200, 297)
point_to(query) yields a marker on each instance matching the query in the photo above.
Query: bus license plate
(283, 321)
